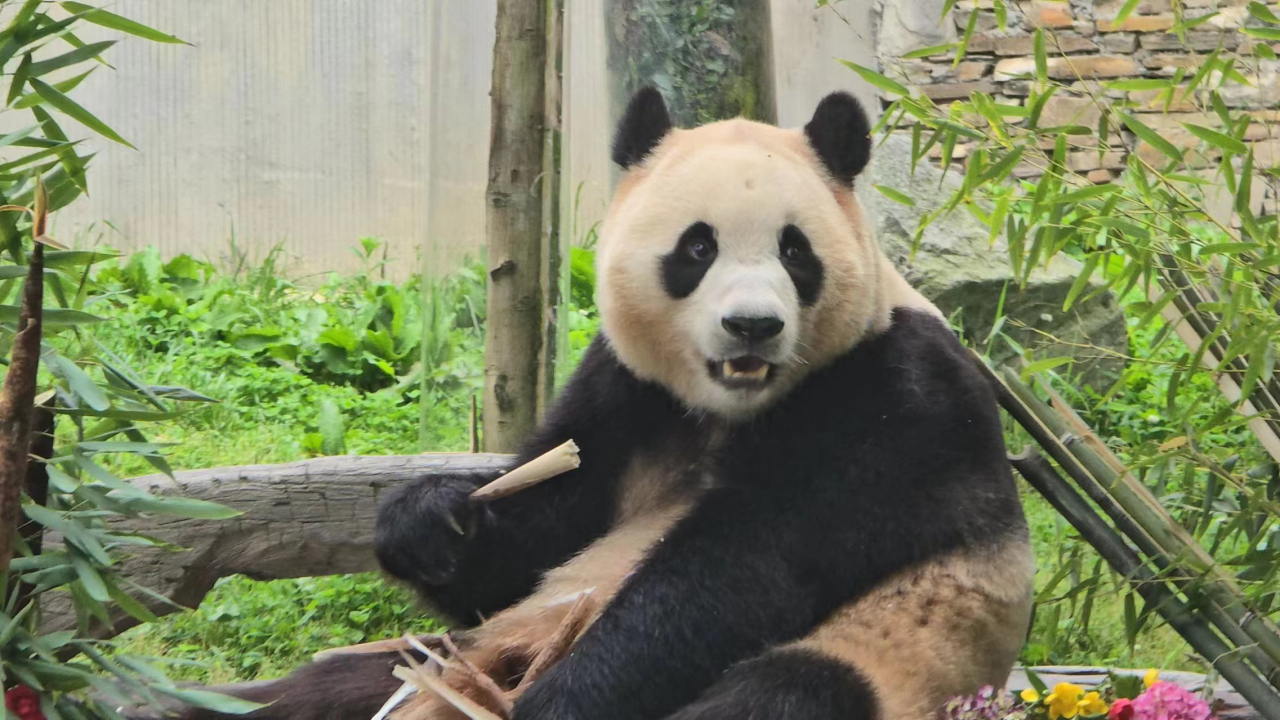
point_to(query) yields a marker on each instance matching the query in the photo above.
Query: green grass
(253, 340)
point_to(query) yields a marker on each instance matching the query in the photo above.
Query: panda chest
(657, 489)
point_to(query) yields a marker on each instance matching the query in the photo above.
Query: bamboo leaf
(1263, 13)
(20, 77)
(211, 700)
(115, 22)
(1219, 140)
(1149, 136)
(1082, 280)
(928, 51)
(896, 196)
(1265, 33)
(79, 55)
(73, 109)
(1040, 366)
(1042, 58)
(179, 507)
(90, 579)
(1125, 11)
(878, 80)
(53, 317)
(63, 86)
(79, 383)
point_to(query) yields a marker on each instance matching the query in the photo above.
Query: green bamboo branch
(1041, 475)
(1140, 517)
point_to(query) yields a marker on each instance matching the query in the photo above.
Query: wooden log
(302, 519)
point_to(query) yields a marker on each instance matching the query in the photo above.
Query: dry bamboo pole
(1153, 590)
(1188, 297)
(1145, 509)
(1223, 605)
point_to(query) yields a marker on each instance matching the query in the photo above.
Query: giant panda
(794, 501)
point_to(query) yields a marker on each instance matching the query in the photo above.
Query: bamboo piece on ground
(554, 462)
(1140, 505)
(1126, 562)
(378, 646)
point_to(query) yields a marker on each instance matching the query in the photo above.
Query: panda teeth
(759, 373)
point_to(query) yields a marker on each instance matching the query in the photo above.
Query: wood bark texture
(513, 224)
(17, 400)
(302, 519)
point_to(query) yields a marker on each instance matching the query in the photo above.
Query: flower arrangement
(1120, 699)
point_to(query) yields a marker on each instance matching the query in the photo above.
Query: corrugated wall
(314, 123)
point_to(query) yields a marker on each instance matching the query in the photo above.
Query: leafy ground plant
(59, 376)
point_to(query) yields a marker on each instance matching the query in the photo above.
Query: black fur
(804, 267)
(346, 687)
(643, 126)
(786, 685)
(816, 501)
(610, 414)
(819, 499)
(683, 267)
(841, 135)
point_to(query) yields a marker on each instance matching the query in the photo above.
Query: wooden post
(553, 241)
(712, 61)
(514, 224)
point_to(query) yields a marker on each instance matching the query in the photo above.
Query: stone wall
(1085, 46)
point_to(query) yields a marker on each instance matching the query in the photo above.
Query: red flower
(23, 702)
(1121, 710)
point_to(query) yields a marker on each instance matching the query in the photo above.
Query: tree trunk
(711, 60)
(17, 397)
(303, 519)
(552, 240)
(513, 223)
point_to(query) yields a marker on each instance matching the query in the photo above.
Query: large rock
(958, 268)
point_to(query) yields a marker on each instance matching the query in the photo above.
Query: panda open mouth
(748, 371)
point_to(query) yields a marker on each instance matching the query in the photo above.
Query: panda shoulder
(936, 367)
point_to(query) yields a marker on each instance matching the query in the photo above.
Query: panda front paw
(423, 529)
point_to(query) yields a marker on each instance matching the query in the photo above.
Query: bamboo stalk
(1153, 590)
(1227, 622)
(556, 461)
(1055, 434)
(1230, 616)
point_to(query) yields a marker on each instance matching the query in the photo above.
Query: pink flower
(23, 702)
(1121, 709)
(1167, 701)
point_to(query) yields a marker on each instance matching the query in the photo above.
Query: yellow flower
(1064, 701)
(1030, 695)
(1151, 678)
(1092, 704)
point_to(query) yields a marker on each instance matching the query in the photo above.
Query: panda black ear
(841, 135)
(643, 126)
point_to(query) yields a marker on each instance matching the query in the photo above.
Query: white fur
(748, 181)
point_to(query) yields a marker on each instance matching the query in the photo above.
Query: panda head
(735, 257)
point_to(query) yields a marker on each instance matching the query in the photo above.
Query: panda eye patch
(684, 267)
(804, 267)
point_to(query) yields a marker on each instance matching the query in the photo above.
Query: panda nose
(752, 329)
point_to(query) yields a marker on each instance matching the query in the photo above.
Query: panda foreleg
(475, 560)
(786, 684)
